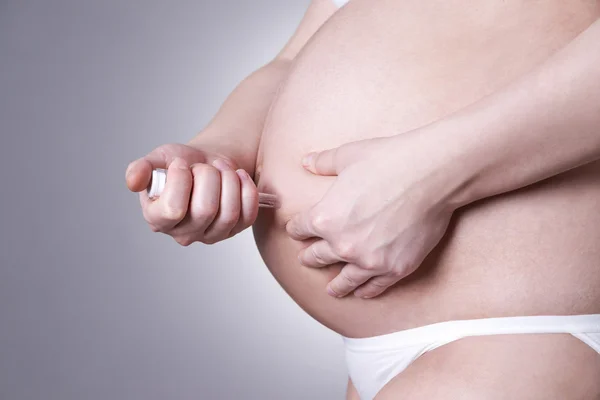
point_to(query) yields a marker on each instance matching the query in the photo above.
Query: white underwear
(340, 3)
(374, 361)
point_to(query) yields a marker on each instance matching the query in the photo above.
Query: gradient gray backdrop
(93, 305)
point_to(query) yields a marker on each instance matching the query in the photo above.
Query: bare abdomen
(382, 67)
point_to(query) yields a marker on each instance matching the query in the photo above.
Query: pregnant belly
(378, 68)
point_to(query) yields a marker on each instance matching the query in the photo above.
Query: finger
(249, 207)
(206, 194)
(333, 161)
(171, 207)
(138, 175)
(203, 207)
(318, 254)
(350, 277)
(376, 286)
(229, 205)
(139, 172)
(301, 227)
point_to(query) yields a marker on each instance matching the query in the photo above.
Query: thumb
(138, 175)
(332, 161)
(139, 172)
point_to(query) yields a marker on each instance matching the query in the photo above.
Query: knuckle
(350, 281)
(293, 229)
(320, 221)
(199, 168)
(207, 211)
(401, 270)
(371, 263)
(167, 149)
(201, 172)
(368, 266)
(346, 250)
(172, 213)
(377, 285)
(229, 219)
(164, 151)
(184, 241)
(317, 256)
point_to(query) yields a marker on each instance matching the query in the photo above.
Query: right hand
(204, 200)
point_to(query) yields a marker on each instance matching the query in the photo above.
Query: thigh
(548, 367)
(351, 393)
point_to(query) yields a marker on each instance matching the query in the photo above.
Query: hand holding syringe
(159, 178)
(203, 197)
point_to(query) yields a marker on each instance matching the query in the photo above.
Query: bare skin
(351, 393)
(528, 252)
(540, 125)
(503, 241)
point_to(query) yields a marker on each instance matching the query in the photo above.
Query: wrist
(459, 163)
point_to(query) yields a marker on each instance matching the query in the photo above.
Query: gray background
(93, 305)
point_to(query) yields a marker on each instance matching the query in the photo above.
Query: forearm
(543, 124)
(235, 130)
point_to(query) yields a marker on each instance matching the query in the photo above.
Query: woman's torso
(380, 67)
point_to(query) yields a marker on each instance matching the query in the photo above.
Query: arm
(543, 124)
(209, 195)
(235, 131)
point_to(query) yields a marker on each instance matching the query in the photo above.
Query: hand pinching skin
(381, 229)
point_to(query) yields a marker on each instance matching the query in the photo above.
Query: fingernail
(179, 163)
(307, 160)
(331, 292)
(221, 165)
(243, 174)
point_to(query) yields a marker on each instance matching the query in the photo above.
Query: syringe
(159, 178)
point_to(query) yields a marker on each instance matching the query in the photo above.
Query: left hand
(382, 216)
